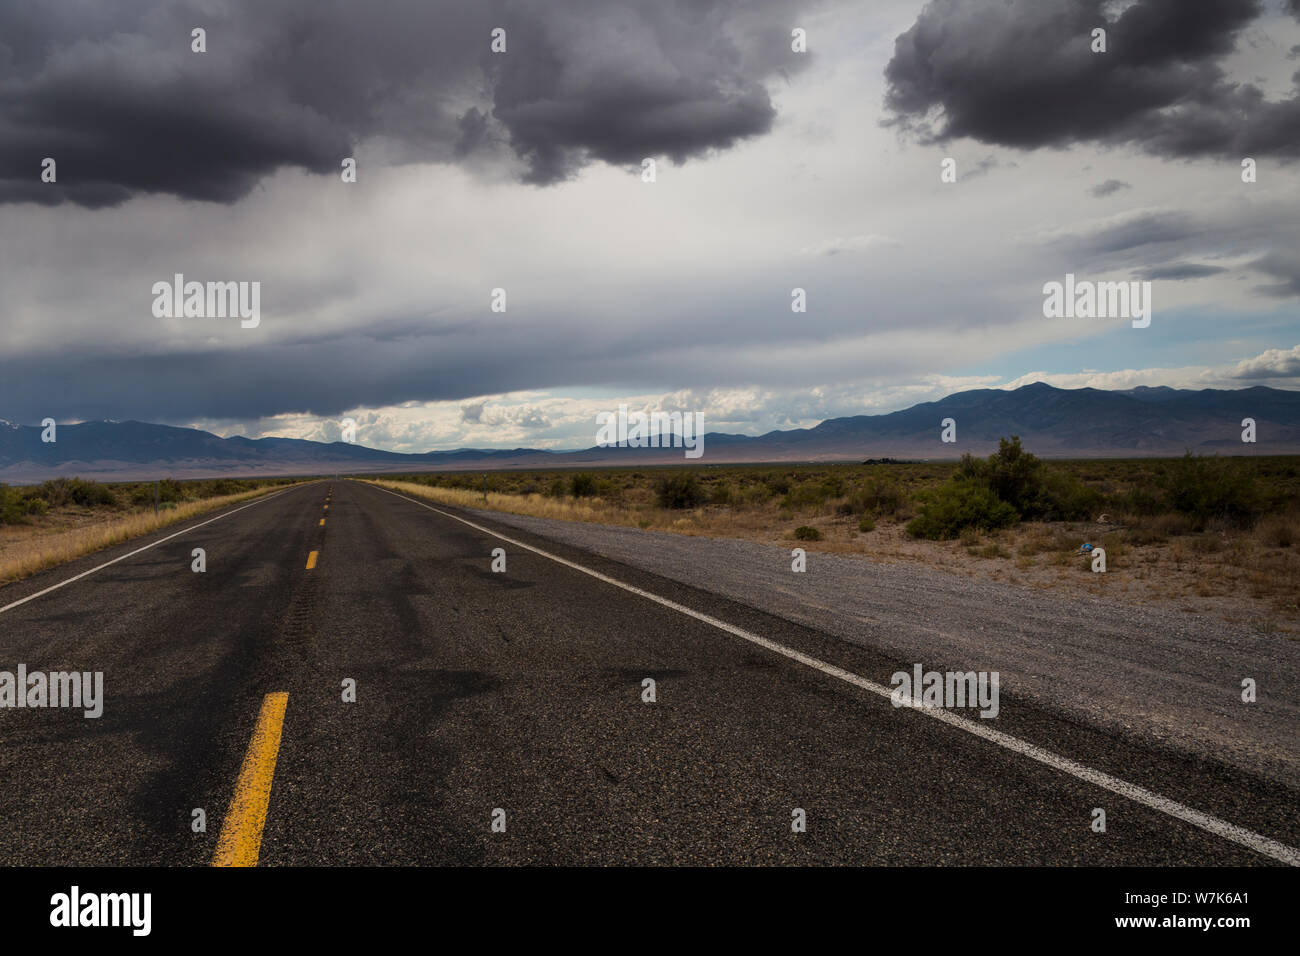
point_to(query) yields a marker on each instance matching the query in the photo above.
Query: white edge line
(1221, 828)
(78, 577)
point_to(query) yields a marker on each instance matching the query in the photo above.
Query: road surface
(516, 698)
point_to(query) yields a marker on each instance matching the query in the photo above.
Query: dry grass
(596, 510)
(1280, 531)
(25, 551)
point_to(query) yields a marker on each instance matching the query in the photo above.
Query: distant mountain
(1053, 422)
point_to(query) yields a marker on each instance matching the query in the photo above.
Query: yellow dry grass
(21, 557)
(538, 506)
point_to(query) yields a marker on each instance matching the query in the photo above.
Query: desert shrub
(682, 490)
(961, 503)
(1206, 488)
(582, 485)
(60, 492)
(754, 494)
(722, 494)
(226, 486)
(1142, 500)
(1011, 476)
(170, 490)
(832, 486)
(37, 505)
(12, 508)
(1015, 476)
(806, 495)
(1063, 497)
(220, 487)
(866, 523)
(556, 488)
(876, 497)
(807, 533)
(777, 484)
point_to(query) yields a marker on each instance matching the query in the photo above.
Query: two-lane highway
(500, 717)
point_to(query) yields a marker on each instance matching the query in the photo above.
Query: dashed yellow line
(241, 833)
(311, 559)
(322, 522)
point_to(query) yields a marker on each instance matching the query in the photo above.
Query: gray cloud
(1109, 187)
(1134, 231)
(1279, 266)
(115, 95)
(1179, 271)
(1021, 73)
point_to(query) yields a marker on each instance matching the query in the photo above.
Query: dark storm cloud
(1021, 73)
(597, 81)
(113, 92)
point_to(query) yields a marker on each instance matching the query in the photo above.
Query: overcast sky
(522, 171)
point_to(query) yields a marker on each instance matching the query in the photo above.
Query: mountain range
(1052, 422)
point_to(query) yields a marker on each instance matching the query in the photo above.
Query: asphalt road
(522, 691)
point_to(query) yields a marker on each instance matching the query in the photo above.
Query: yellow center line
(322, 521)
(241, 833)
(311, 560)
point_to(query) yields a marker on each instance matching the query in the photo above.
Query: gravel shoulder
(1148, 672)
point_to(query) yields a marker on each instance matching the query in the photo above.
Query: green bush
(1204, 488)
(220, 487)
(582, 485)
(1142, 501)
(867, 523)
(1008, 486)
(556, 489)
(962, 503)
(807, 533)
(1015, 476)
(832, 486)
(806, 495)
(89, 494)
(12, 508)
(682, 490)
(1064, 497)
(778, 484)
(876, 497)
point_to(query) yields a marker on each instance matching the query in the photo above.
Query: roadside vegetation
(1207, 531)
(61, 519)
